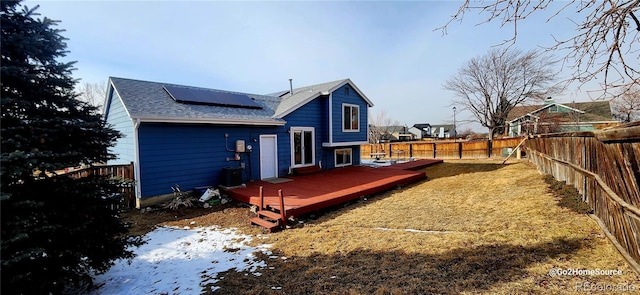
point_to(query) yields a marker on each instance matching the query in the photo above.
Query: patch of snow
(382, 163)
(375, 163)
(181, 261)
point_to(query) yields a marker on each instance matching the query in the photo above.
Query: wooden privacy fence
(440, 149)
(605, 168)
(124, 171)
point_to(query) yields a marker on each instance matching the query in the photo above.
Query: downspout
(136, 166)
(369, 131)
(331, 119)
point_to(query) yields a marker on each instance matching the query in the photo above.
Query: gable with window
(350, 118)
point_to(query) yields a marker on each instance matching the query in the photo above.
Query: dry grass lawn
(475, 226)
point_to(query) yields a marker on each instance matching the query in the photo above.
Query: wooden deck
(308, 193)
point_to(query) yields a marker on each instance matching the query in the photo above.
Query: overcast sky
(391, 50)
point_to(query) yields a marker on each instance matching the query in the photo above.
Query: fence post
(434, 150)
(410, 150)
(459, 150)
(584, 165)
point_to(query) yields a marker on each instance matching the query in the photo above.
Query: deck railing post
(283, 213)
(261, 198)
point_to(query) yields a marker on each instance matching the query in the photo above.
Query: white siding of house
(118, 118)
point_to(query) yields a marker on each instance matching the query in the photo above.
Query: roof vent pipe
(290, 87)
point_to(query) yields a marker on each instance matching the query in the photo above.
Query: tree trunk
(490, 142)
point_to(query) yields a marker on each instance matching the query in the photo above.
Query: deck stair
(270, 220)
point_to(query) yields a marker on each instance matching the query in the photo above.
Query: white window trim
(335, 157)
(352, 106)
(349, 143)
(313, 146)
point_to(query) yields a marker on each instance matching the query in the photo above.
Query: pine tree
(56, 231)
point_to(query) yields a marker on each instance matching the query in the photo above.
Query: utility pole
(454, 124)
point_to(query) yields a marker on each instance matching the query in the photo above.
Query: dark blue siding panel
(356, 155)
(194, 155)
(316, 114)
(313, 114)
(340, 96)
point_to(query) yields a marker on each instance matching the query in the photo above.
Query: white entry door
(268, 156)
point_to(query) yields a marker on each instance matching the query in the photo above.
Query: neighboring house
(394, 133)
(556, 117)
(443, 131)
(421, 130)
(426, 130)
(196, 137)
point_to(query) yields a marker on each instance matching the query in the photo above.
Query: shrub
(56, 231)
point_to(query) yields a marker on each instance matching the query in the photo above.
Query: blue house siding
(313, 114)
(194, 155)
(284, 155)
(340, 97)
(190, 148)
(331, 156)
(119, 119)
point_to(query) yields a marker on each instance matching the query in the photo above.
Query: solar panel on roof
(210, 97)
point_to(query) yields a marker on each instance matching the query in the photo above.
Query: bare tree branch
(379, 125)
(626, 107)
(490, 86)
(635, 19)
(602, 49)
(92, 93)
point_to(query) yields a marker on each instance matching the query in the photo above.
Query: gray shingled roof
(447, 127)
(149, 101)
(422, 126)
(594, 111)
(305, 94)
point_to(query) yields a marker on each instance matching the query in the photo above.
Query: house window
(343, 157)
(350, 118)
(302, 146)
(346, 91)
